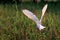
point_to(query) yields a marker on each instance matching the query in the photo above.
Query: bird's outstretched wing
(43, 11)
(30, 15)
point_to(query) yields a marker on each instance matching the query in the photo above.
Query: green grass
(14, 25)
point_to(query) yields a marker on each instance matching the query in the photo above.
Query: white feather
(30, 15)
(43, 12)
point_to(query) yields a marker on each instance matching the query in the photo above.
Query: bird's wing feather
(43, 11)
(30, 15)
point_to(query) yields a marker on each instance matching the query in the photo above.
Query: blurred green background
(14, 25)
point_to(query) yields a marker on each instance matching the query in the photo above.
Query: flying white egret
(34, 18)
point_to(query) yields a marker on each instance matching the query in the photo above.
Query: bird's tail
(40, 26)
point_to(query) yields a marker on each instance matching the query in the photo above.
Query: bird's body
(34, 18)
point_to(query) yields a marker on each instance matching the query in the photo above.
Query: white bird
(34, 18)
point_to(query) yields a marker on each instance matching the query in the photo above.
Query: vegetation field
(14, 25)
